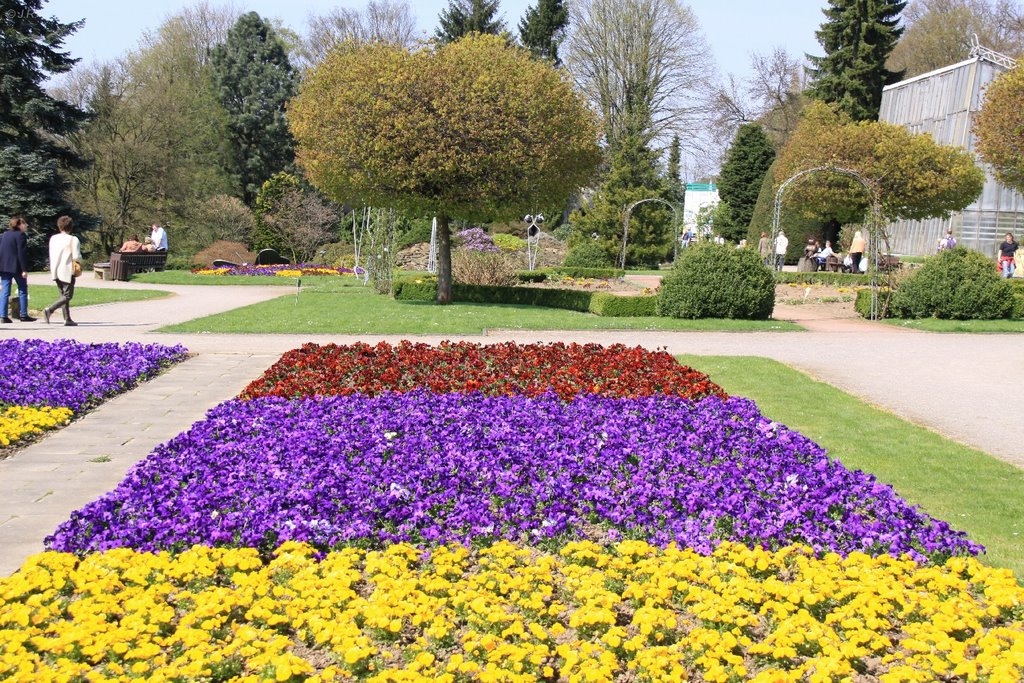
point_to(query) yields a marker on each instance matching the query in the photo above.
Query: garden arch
(874, 223)
(675, 226)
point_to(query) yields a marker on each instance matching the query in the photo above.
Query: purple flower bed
(65, 373)
(433, 468)
(306, 268)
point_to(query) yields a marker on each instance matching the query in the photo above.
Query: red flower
(497, 369)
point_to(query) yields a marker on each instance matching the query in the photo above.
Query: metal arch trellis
(675, 225)
(874, 224)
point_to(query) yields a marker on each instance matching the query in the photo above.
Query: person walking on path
(1008, 255)
(65, 254)
(14, 266)
(764, 248)
(781, 245)
(857, 248)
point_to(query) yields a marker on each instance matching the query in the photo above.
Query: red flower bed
(497, 369)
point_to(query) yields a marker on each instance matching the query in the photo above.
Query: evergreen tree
(468, 16)
(857, 36)
(542, 28)
(255, 79)
(633, 175)
(742, 174)
(31, 121)
(676, 191)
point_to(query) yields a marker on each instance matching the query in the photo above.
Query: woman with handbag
(65, 266)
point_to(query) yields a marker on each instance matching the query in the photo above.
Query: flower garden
(278, 270)
(502, 513)
(43, 384)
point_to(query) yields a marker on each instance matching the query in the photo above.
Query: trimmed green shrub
(718, 281)
(539, 275)
(508, 242)
(568, 299)
(862, 304)
(587, 254)
(614, 306)
(1018, 299)
(580, 272)
(415, 289)
(956, 284)
(831, 279)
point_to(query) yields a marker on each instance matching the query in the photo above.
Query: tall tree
(476, 129)
(463, 17)
(255, 80)
(31, 120)
(739, 182)
(643, 63)
(858, 36)
(676, 190)
(543, 27)
(915, 177)
(998, 127)
(387, 21)
(940, 32)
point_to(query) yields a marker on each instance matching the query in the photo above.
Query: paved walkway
(954, 384)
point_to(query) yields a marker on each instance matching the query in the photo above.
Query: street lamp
(533, 222)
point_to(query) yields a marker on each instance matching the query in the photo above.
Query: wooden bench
(124, 265)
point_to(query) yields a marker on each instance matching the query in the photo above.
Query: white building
(698, 196)
(943, 103)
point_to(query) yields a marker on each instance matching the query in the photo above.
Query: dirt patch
(814, 302)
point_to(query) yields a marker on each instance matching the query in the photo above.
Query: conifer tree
(31, 121)
(857, 36)
(463, 17)
(254, 78)
(676, 191)
(739, 181)
(542, 28)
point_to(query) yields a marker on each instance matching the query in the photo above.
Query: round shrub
(718, 281)
(508, 242)
(587, 254)
(957, 284)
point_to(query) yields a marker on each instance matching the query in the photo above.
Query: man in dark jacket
(14, 266)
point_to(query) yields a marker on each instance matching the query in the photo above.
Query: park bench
(124, 265)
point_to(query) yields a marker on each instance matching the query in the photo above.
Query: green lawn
(184, 277)
(334, 308)
(981, 326)
(41, 296)
(971, 490)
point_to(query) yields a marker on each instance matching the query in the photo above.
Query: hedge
(598, 303)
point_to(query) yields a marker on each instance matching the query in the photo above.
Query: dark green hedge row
(830, 279)
(599, 303)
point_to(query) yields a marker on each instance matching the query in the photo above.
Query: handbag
(76, 268)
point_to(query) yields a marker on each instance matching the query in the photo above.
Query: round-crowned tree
(956, 284)
(476, 129)
(718, 281)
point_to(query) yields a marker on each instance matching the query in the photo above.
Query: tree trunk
(444, 261)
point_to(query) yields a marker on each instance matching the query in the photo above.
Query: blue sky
(734, 28)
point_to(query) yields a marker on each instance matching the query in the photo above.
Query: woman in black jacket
(14, 266)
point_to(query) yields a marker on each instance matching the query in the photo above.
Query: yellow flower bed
(508, 613)
(17, 421)
(211, 271)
